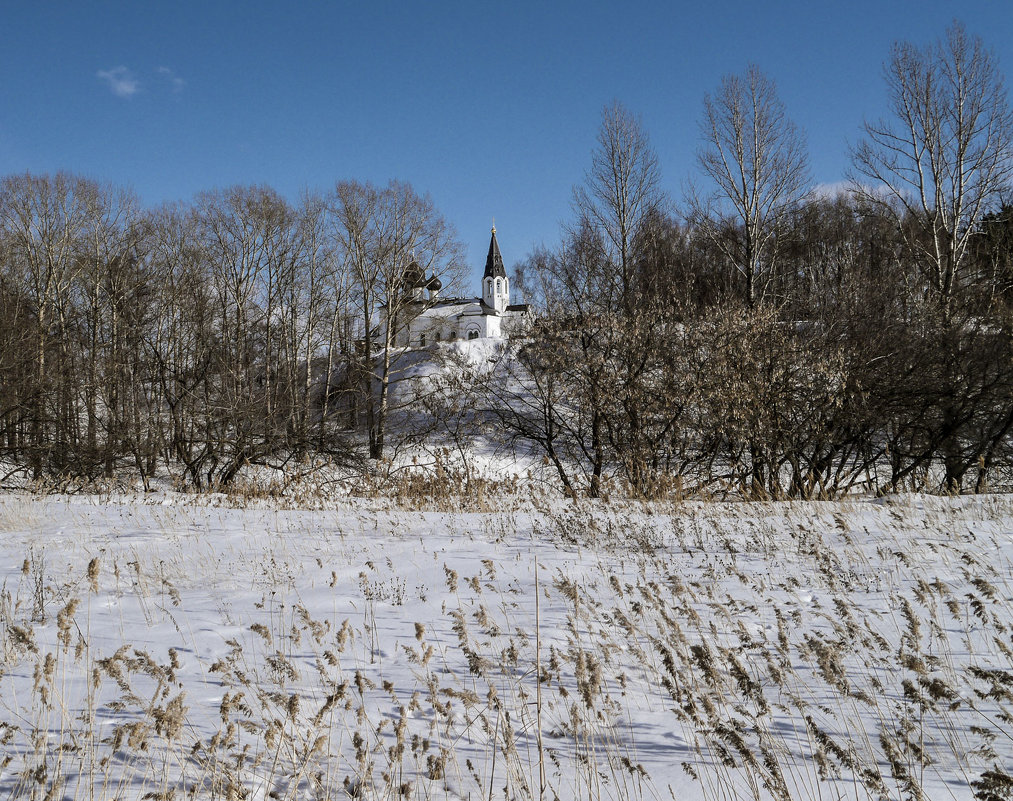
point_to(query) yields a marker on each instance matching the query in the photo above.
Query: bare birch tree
(43, 220)
(945, 156)
(757, 160)
(619, 192)
(107, 279)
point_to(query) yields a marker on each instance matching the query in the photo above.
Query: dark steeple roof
(414, 276)
(494, 261)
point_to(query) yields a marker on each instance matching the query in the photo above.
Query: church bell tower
(495, 284)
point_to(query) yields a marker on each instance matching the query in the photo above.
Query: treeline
(769, 341)
(197, 339)
(761, 340)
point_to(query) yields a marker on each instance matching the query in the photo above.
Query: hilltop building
(434, 319)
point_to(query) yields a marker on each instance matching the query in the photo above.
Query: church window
(422, 339)
(453, 335)
(473, 335)
(499, 287)
(439, 336)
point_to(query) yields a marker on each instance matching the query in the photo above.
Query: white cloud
(121, 81)
(175, 82)
(830, 190)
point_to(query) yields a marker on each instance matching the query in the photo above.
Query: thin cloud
(852, 188)
(831, 189)
(121, 81)
(175, 82)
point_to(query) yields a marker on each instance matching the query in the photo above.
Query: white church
(433, 319)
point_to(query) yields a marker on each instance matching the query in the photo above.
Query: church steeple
(495, 284)
(494, 261)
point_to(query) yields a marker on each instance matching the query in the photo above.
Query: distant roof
(494, 261)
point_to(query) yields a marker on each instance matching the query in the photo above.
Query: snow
(703, 651)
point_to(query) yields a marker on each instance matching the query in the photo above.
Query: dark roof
(483, 308)
(444, 302)
(494, 261)
(451, 302)
(414, 276)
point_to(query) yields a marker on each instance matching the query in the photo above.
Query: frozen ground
(858, 650)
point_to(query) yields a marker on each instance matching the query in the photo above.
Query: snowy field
(858, 650)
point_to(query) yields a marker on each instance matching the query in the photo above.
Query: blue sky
(492, 108)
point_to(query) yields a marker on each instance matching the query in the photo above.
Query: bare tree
(106, 283)
(387, 237)
(619, 192)
(945, 156)
(595, 275)
(245, 234)
(937, 167)
(184, 342)
(314, 303)
(757, 160)
(43, 220)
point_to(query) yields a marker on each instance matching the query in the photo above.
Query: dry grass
(784, 655)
